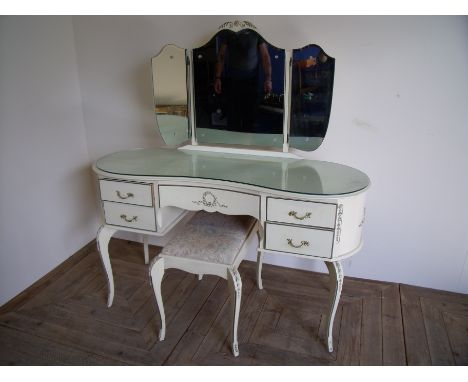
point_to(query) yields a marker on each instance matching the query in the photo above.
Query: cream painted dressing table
(305, 208)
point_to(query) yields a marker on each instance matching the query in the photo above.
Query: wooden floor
(65, 321)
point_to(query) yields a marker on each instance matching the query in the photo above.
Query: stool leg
(145, 248)
(156, 276)
(259, 269)
(235, 287)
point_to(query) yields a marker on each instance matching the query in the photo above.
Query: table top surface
(302, 176)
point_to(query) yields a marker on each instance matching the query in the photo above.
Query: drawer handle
(129, 195)
(294, 214)
(304, 243)
(124, 217)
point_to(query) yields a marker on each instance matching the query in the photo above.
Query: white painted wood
(300, 240)
(104, 235)
(145, 248)
(166, 215)
(210, 199)
(335, 271)
(156, 275)
(235, 150)
(191, 95)
(341, 237)
(235, 289)
(259, 269)
(261, 236)
(127, 215)
(125, 192)
(301, 212)
(287, 99)
(350, 220)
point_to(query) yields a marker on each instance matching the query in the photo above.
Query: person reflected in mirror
(237, 76)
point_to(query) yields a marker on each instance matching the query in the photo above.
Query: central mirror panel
(238, 82)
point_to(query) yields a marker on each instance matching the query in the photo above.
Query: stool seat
(211, 237)
(211, 243)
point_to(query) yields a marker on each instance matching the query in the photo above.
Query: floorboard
(63, 319)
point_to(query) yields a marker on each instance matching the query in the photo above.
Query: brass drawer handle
(304, 243)
(124, 217)
(294, 214)
(129, 195)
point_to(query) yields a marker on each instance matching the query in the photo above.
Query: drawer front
(127, 215)
(299, 240)
(123, 192)
(209, 199)
(303, 213)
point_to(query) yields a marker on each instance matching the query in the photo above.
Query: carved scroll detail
(209, 200)
(237, 24)
(339, 223)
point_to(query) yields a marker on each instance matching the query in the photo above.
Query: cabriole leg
(103, 237)
(335, 271)
(156, 276)
(235, 287)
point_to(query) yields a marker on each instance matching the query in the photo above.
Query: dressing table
(250, 164)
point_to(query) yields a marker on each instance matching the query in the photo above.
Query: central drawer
(299, 240)
(209, 199)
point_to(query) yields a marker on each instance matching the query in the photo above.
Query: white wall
(46, 197)
(399, 114)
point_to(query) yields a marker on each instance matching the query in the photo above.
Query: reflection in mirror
(239, 90)
(311, 96)
(170, 94)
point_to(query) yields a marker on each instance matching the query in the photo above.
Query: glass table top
(302, 176)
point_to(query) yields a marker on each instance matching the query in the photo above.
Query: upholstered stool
(211, 243)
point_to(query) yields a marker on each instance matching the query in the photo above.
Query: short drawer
(209, 199)
(123, 192)
(300, 240)
(126, 215)
(303, 213)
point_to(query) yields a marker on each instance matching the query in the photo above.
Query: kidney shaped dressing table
(305, 208)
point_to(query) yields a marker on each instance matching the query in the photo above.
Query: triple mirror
(240, 90)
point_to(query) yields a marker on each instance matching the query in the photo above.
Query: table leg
(103, 237)
(235, 288)
(156, 275)
(335, 271)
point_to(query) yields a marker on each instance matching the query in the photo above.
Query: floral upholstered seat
(211, 237)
